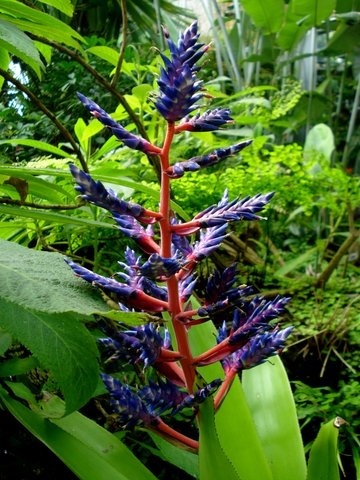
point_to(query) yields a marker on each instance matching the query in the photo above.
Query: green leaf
(213, 462)
(129, 318)
(108, 54)
(233, 420)
(87, 449)
(39, 23)
(321, 139)
(65, 6)
(17, 366)
(27, 142)
(323, 458)
(4, 63)
(266, 14)
(142, 91)
(18, 43)
(187, 461)
(309, 12)
(268, 393)
(52, 217)
(5, 341)
(42, 281)
(62, 345)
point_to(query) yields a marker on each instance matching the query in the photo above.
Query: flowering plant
(192, 353)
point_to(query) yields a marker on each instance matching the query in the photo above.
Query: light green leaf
(309, 12)
(323, 459)
(90, 451)
(268, 393)
(62, 345)
(142, 91)
(64, 6)
(187, 461)
(4, 63)
(108, 54)
(129, 318)
(42, 281)
(39, 23)
(321, 139)
(213, 462)
(28, 142)
(266, 14)
(18, 43)
(233, 420)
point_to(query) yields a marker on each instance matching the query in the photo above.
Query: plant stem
(175, 306)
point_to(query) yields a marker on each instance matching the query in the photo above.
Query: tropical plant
(218, 334)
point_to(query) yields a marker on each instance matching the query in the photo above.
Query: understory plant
(188, 346)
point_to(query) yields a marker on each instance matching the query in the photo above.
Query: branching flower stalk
(165, 280)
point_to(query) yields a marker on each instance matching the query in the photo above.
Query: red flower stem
(174, 302)
(166, 431)
(224, 388)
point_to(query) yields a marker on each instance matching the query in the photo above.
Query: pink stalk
(174, 302)
(224, 388)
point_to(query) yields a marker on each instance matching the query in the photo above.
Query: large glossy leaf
(18, 43)
(271, 402)
(323, 459)
(87, 449)
(108, 54)
(234, 425)
(266, 14)
(310, 12)
(213, 461)
(62, 345)
(42, 281)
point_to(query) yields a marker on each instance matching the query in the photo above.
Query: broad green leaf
(213, 461)
(268, 393)
(108, 54)
(5, 341)
(234, 424)
(310, 12)
(187, 461)
(90, 451)
(65, 6)
(19, 44)
(27, 142)
(17, 366)
(321, 139)
(42, 281)
(60, 342)
(323, 458)
(266, 14)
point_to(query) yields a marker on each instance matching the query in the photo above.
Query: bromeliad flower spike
(162, 279)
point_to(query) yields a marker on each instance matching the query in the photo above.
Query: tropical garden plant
(187, 367)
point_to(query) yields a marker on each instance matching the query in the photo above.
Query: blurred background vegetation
(290, 73)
